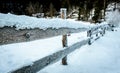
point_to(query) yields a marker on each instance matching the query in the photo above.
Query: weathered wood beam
(10, 35)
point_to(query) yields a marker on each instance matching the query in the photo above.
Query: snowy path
(101, 57)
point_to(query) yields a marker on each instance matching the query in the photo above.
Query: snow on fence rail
(50, 59)
(10, 35)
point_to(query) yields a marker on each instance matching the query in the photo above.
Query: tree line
(52, 7)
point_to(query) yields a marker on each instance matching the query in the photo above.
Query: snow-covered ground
(100, 57)
(18, 55)
(103, 56)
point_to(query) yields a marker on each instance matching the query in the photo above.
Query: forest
(52, 7)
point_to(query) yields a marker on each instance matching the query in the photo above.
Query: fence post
(89, 33)
(64, 37)
(64, 43)
(103, 31)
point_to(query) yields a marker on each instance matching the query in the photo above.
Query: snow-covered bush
(113, 16)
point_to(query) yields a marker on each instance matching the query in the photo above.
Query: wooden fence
(92, 34)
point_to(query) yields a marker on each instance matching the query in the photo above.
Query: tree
(33, 8)
(98, 6)
(52, 10)
(29, 6)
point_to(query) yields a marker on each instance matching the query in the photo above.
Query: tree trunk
(104, 8)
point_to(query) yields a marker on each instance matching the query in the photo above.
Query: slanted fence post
(64, 37)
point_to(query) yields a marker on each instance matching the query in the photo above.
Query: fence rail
(10, 35)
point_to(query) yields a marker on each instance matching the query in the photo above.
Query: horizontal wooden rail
(100, 30)
(40, 64)
(10, 35)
